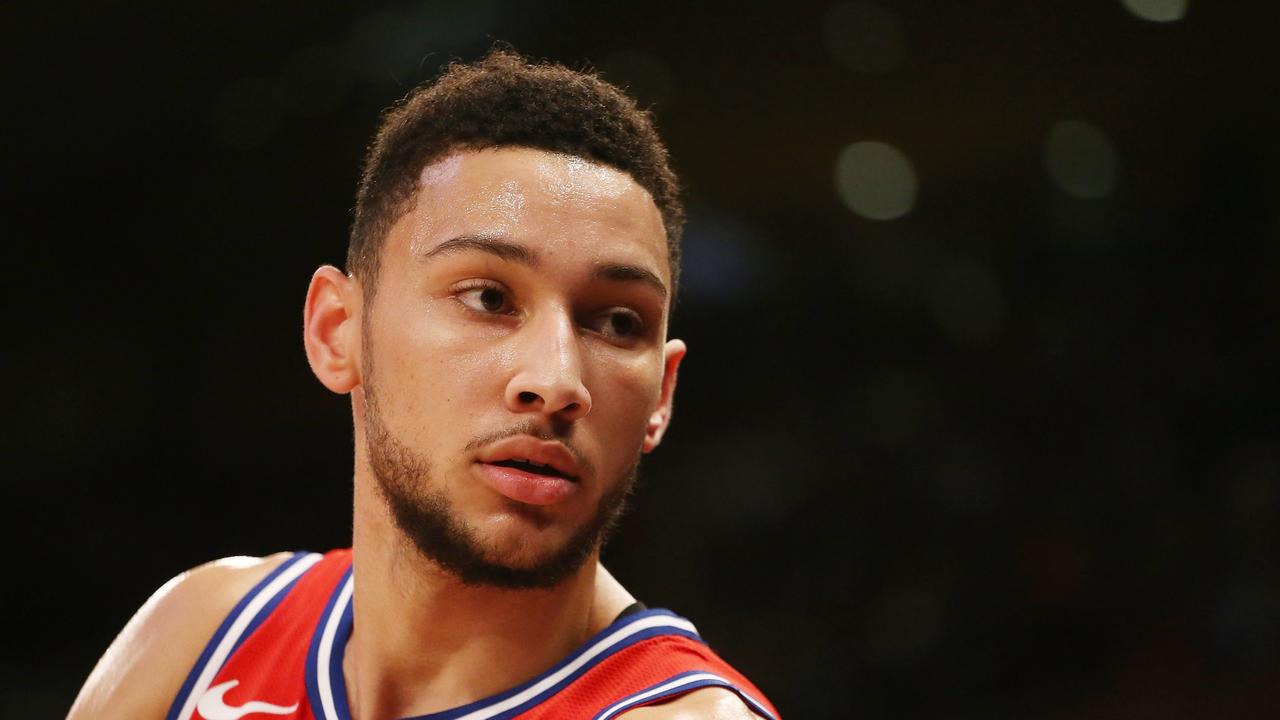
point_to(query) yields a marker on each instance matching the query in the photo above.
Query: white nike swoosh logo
(212, 707)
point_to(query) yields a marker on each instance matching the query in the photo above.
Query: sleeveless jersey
(279, 654)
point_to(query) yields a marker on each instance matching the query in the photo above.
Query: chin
(522, 539)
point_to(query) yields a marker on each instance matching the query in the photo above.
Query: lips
(530, 466)
(529, 470)
(545, 457)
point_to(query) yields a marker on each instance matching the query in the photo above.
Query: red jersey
(279, 654)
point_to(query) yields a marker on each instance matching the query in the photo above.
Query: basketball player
(502, 332)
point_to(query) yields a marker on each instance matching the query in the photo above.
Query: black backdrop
(1012, 454)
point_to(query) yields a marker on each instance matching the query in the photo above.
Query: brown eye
(485, 299)
(622, 324)
(492, 300)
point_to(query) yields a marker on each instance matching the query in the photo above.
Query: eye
(621, 324)
(486, 299)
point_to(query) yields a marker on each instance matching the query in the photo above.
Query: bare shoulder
(141, 672)
(706, 704)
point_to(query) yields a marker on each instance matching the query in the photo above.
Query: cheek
(430, 370)
(625, 394)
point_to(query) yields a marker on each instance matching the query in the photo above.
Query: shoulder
(706, 704)
(141, 672)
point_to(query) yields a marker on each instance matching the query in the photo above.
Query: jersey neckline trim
(681, 684)
(326, 685)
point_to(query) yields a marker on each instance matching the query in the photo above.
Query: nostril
(528, 398)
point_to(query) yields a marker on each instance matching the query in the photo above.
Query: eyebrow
(501, 247)
(512, 251)
(631, 273)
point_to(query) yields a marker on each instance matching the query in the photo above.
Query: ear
(331, 329)
(673, 353)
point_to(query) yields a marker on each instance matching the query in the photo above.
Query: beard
(426, 516)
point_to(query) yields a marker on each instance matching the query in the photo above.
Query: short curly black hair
(506, 100)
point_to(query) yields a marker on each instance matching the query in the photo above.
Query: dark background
(1014, 453)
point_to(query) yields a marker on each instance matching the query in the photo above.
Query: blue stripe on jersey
(665, 623)
(336, 678)
(618, 646)
(677, 685)
(227, 622)
(339, 644)
(267, 609)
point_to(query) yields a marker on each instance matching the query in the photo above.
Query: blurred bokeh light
(1081, 160)
(876, 180)
(1157, 10)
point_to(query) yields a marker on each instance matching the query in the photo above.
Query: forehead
(559, 203)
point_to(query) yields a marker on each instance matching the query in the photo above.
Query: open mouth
(532, 467)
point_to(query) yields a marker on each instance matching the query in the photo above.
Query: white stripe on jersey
(237, 628)
(325, 652)
(672, 687)
(549, 682)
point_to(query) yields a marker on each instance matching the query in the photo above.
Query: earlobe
(660, 419)
(331, 329)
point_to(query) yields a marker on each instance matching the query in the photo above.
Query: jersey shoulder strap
(249, 653)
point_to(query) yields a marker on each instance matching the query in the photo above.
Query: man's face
(514, 355)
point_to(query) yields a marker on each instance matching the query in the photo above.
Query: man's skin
(524, 289)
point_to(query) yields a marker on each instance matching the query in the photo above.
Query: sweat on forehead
(558, 173)
(562, 202)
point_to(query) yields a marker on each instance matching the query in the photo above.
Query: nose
(548, 376)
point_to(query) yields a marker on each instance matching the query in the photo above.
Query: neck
(423, 642)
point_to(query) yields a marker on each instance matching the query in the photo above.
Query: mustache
(538, 430)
